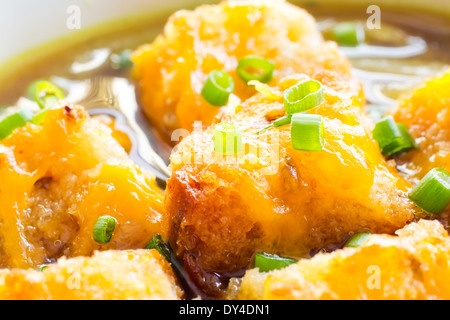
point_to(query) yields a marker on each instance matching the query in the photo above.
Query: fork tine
(116, 97)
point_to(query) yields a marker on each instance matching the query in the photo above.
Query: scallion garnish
(217, 88)
(307, 132)
(432, 193)
(267, 91)
(163, 247)
(31, 89)
(122, 60)
(348, 34)
(104, 228)
(282, 121)
(227, 139)
(16, 120)
(278, 123)
(393, 138)
(255, 68)
(42, 267)
(39, 118)
(357, 239)
(47, 94)
(407, 137)
(268, 262)
(303, 96)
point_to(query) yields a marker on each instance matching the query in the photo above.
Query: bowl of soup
(253, 149)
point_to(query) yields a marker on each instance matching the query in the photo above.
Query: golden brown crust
(108, 275)
(414, 265)
(426, 113)
(58, 178)
(171, 71)
(221, 213)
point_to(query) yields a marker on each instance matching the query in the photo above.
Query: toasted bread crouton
(58, 178)
(107, 275)
(412, 265)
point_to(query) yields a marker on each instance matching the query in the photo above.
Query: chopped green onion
(161, 246)
(357, 239)
(122, 60)
(217, 88)
(31, 89)
(166, 251)
(104, 228)
(386, 131)
(282, 121)
(255, 68)
(432, 193)
(266, 90)
(16, 120)
(39, 117)
(42, 267)
(227, 139)
(303, 97)
(407, 137)
(307, 132)
(268, 262)
(278, 123)
(348, 34)
(392, 138)
(47, 94)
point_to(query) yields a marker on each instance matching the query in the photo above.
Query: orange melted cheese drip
(58, 178)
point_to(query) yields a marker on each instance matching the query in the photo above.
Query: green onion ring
(47, 94)
(393, 138)
(104, 228)
(307, 132)
(263, 69)
(432, 193)
(217, 88)
(227, 139)
(348, 34)
(303, 97)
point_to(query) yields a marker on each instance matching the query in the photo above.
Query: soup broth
(408, 47)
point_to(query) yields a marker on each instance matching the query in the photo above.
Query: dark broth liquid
(403, 73)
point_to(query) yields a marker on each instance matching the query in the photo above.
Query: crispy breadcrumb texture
(275, 199)
(412, 265)
(108, 275)
(171, 71)
(59, 178)
(426, 113)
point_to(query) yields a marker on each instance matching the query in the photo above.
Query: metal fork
(116, 97)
